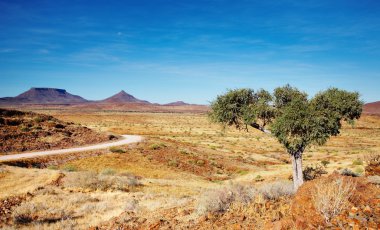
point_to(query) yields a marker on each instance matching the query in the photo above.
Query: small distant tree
(296, 121)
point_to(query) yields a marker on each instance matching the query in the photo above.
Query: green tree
(294, 120)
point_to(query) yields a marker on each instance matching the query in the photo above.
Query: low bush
(39, 119)
(30, 212)
(219, 200)
(275, 190)
(157, 146)
(325, 163)
(348, 172)
(312, 172)
(69, 168)
(59, 126)
(108, 172)
(117, 150)
(357, 162)
(332, 197)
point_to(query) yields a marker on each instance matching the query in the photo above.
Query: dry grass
(91, 181)
(219, 200)
(255, 152)
(20, 180)
(181, 154)
(331, 198)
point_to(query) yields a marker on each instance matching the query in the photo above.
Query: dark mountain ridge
(44, 96)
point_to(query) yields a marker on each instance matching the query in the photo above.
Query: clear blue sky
(190, 50)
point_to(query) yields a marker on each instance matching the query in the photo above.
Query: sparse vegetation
(219, 200)
(348, 172)
(117, 150)
(103, 182)
(331, 198)
(275, 190)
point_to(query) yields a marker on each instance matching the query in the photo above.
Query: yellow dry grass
(19, 181)
(247, 155)
(353, 142)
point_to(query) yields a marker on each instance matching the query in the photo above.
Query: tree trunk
(297, 170)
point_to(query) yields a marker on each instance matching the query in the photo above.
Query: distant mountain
(372, 108)
(177, 103)
(44, 96)
(123, 97)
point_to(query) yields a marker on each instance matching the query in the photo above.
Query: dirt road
(126, 139)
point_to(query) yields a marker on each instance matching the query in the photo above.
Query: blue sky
(190, 50)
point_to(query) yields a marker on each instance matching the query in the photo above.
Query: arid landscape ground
(188, 173)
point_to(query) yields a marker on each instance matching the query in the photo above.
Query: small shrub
(200, 162)
(155, 146)
(184, 151)
(348, 172)
(39, 119)
(108, 172)
(312, 172)
(359, 170)
(219, 200)
(331, 197)
(275, 190)
(24, 129)
(173, 163)
(59, 126)
(117, 150)
(39, 212)
(69, 168)
(325, 163)
(357, 162)
(259, 178)
(243, 172)
(52, 167)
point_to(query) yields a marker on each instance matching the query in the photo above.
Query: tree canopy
(294, 119)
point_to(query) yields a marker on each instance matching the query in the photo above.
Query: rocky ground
(27, 131)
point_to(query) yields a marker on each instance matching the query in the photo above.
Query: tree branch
(262, 129)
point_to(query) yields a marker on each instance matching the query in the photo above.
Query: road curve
(126, 139)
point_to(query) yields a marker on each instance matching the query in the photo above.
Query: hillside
(26, 131)
(122, 97)
(176, 103)
(43, 96)
(58, 99)
(372, 108)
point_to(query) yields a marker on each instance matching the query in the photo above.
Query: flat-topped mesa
(38, 95)
(123, 97)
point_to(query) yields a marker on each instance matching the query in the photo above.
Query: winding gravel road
(126, 139)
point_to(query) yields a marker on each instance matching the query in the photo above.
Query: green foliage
(357, 162)
(312, 172)
(157, 146)
(117, 150)
(295, 121)
(69, 168)
(287, 94)
(325, 163)
(242, 107)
